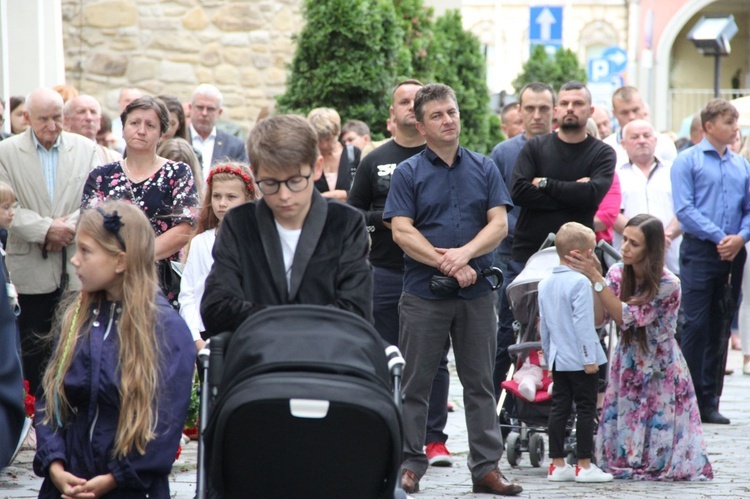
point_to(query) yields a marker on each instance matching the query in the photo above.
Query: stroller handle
(396, 361)
(521, 348)
(218, 345)
(548, 242)
(607, 249)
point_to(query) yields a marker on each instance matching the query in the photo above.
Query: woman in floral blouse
(165, 190)
(650, 427)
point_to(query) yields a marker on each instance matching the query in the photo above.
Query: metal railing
(687, 101)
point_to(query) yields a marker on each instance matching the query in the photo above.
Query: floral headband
(247, 179)
(112, 224)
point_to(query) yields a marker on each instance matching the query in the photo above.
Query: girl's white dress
(197, 267)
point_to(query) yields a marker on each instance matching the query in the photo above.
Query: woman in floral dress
(163, 189)
(650, 427)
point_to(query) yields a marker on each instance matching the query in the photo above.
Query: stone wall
(170, 46)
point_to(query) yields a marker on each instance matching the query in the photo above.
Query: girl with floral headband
(229, 184)
(117, 388)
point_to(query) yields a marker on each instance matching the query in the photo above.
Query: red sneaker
(438, 455)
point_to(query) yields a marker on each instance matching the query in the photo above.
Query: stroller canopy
(280, 337)
(522, 291)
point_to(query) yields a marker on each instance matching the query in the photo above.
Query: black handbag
(169, 282)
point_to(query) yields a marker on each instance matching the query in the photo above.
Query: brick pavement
(728, 448)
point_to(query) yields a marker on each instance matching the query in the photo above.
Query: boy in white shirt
(293, 246)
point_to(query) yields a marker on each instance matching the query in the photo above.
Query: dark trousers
(35, 323)
(425, 325)
(505, 335)
(702, 340)
(569, 387)
(387, 286)
(437, 412)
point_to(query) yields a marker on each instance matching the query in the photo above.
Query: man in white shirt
(213, 144)
(647, 188)
(627, 106)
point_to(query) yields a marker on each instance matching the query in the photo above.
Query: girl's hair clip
(113, 223)
(249, 185)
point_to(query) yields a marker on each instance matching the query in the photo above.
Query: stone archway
(663, 57)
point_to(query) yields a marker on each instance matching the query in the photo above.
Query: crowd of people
(152, 234)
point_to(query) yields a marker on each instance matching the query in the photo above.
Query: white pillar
(31, 46)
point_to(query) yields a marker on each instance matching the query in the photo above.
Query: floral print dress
(168, 198)
(650, 427)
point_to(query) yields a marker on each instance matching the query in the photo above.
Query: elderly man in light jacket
(46, 168)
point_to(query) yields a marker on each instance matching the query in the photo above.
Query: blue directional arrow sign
(545, 26)
(617, 57)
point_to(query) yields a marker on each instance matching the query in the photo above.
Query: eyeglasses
(295, 184)
(209, 110)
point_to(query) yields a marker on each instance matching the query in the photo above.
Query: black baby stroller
(300, 403)
(529, 419)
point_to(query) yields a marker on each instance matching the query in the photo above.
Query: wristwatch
(599, 287)
(543, 182)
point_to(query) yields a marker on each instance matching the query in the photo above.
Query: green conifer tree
(553, 70)
(458, 61)
(345, 59)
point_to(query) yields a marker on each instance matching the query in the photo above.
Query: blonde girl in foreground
(117, 388)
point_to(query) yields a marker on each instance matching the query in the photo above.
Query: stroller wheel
(513, 448)
(536, 449)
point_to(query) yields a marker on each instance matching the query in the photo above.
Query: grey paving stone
(728, 446)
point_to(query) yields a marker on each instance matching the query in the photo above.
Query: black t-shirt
(369, 192)
(564, 199)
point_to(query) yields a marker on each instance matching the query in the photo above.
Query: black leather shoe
(714, 417)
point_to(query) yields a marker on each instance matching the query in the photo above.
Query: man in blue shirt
(711, 199)
(447, 208)
(536, 103)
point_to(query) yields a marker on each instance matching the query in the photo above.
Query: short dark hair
(576, 85)
(282, 142)
(408, 81)
(508, 108)
(625, 93)
(148, 102)
(356, 126)
(430, 93)
(537, 88)
(716, 108)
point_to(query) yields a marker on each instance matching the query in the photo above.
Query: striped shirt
(48, 160)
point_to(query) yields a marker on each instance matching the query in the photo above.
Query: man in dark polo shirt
(447, 207)
(368, 193)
